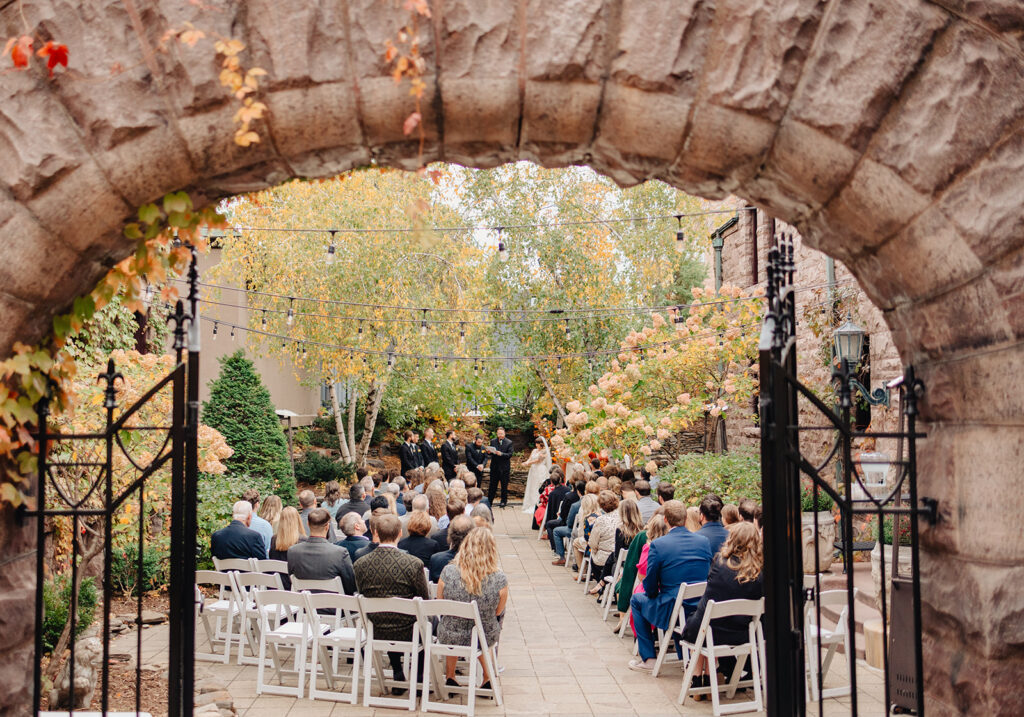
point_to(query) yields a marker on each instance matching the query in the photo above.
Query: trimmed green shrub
(124, 575)
(886, 537)
(825, 501)
(315, 468)
(732, 476)
(57, 604)
(240, 408)
(217, 494)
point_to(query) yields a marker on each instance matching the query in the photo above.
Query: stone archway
(888, 132)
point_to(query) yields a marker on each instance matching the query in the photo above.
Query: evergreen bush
(57, 603)
(732, 476)
(825, 501)
(240, 408)
(315, 468)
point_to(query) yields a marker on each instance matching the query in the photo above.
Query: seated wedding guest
(418, 543)
(628, 491)
(378, 502)
(676, 558)
(453, 507)
(560, 533)
(332, 498)
(693, 518)
(354, 528)
(711, 522)
(289, 533)
(735, 575)
(419, 503)
(356, 501)
(644, 502)
(458, 493)
(399, 481)
(437, 506)
(747, 508)
(474, 576)
(389, 499)
(270, 511)
(666, 492)
(555, 479)
(237, 540)
(395, 492)
(390, 572)
(602, 482)
(482, 517)
(615, 486)
(260, 525)
(730, 515)
(588, 515)
(560, 522)
(602, 536)
(655, 528)
(630, 526)
(369, 548)
(316, 558)
(553, 510)
(459, 529)
(474, 497)
(369, 487)
(758, 510)
(596, 465)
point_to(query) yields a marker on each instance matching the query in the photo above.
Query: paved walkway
(559, 657)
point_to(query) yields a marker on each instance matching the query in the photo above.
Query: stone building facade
(827, 293)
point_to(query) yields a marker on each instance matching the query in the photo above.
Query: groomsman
(449, 455)
(410, 454)
(501, 467)
(476, 458)
(427, 447)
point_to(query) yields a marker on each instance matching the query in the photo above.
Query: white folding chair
(828, 639)
(687, 591)
(570, 556)
(368, 607)
(246, 587)
(294, 634)
(322, 586)
(272, 566)
(343, 638)
(751, 650)
(217, 615)
(472, 653)
(243, 565)
(609, 589)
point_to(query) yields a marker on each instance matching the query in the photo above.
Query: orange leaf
(411, 122)
(21, 50)
(55, 55)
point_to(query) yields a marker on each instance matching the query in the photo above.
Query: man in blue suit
(711, 522)
(677, 558)
(237, 540)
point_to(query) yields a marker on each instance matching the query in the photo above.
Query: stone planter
(826, 540)
(876, 572)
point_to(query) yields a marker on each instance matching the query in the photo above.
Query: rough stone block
(479, 40)
(313, 118)
(661, 47)
(876, 203)
(725, 141)
(30, 257)
(481, 112)
(559, 118)
(385, 105)
(210, 138)
(565, 40)
(639, 128)
(274, 26)
(129, 165)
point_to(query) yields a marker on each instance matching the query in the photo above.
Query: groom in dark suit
(500, 452)
(409, 454)
(427, 449)
(449, 455)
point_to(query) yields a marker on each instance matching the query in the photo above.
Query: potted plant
(817, 513)
(883, 551)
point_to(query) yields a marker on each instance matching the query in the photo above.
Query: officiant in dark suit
(410, 454)
(450, 455)
(427, 449)
(500, 452)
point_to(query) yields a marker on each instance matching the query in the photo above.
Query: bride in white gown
(540, 468)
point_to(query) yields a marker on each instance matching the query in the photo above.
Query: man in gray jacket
(307, 503)
(319, 559)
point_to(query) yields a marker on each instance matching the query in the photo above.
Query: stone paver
(559, 657)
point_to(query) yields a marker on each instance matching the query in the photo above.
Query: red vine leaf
(20, 49)
(55, 55)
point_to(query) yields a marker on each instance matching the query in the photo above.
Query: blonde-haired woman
(588, 515)
(270, 511)
(473, 576)
(693, 518)
(656, 528)
(289, 532)
(735, 575)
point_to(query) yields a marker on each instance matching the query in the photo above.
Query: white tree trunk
(339, 423)
(551, 392)
(352, 423)
(373, 399)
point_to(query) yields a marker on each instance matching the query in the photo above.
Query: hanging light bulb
(232, 333)
(360, 332)
(435, 363)
(214, 330)
(502, 248)
(423, 324)
(558, 366)
(264, 322)
(364, 359)
(568, 333)
(680, 235)
(391, 360)
(331, 251)
(462, 334)
(303, 351)
(290, 319)
(664, 349)
(476, 368)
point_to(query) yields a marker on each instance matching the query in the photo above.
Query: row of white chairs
(322, 628)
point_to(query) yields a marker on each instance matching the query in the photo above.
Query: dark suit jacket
(353, 543)
(567, 503)
(420, 546)
(365, 550)
(716, 533)
(317, 559)
(237, 541)
(438, 561)
(411, 457)
(555, 499)
(723, 585)
(360, 507)
(449, 459)
(673, 559)
(428, 451)
(390, 572)
(475, 459)
(331, 535)
(501, 464)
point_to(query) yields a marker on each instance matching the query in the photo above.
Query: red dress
(542, 506)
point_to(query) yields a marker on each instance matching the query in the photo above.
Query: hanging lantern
(502, 248)
(290, 319)
(680, 235)
(331, 251)
(214, 330)
(423, 324)
(849, 341)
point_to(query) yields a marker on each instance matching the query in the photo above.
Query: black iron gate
(93, 485)
(794, 631)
